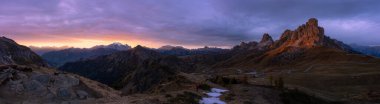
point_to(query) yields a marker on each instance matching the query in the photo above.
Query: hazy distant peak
(44, 49)
(170, 47)
(115, 45)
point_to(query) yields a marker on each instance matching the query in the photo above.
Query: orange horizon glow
(85, 43)
(88, 41)
(81, 41)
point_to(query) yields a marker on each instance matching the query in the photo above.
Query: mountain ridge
(60, 57)
(13, 53)
(136, 70)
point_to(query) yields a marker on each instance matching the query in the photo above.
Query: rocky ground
(21, 84)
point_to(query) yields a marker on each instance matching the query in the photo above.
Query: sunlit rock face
(308, 35)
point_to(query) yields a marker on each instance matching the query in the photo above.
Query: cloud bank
(192, 23)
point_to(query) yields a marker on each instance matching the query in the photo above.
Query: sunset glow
(192, 24)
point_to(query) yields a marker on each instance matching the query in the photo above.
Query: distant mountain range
(45, 49)
(60, 57)
(368, 50)
(181, 51)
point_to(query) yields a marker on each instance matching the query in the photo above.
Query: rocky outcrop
(31, 85)
(292, 45)
(13, 53)
(309, 35)
(306, 36)
(264, 44)
(266, 39)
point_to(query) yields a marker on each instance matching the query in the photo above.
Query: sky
(190, 23)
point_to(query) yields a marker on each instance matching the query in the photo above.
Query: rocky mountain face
(137, 70)
(13, 53)
(292, 45)
(309, 35)
(265, 42)
(58, 58)
(24, 84)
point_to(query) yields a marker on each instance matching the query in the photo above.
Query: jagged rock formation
(264, 44)
(13, 53)
(267, 39)
(23, 84)
(137, 70)
(292, 45)
(309, 35)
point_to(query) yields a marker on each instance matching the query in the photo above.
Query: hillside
(25, 79)
(137, 70)
(13, 53)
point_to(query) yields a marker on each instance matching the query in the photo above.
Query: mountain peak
(170, 47)
(308, 35)
(115, 45)
(140, 48)
(266, 38)
(312, 22)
